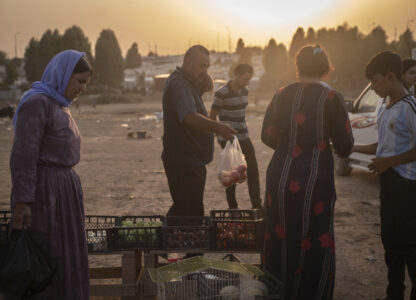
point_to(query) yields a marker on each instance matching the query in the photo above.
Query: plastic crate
(187, 233)
(236, 214)
(111, 233)
(239, 235)
(5, 220)
(5, 217)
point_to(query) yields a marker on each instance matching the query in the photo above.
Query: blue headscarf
(54, 80)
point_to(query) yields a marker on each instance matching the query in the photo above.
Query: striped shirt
(231, 107)
(397, 132)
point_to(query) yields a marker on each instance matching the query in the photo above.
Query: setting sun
(273, 13)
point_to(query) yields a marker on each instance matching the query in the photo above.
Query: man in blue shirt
(396, 163)
(188, 142)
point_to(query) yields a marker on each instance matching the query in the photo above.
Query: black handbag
(24, 270)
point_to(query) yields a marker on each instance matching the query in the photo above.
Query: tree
(50, 44)
(75, 39)
(3, 58)
(310, 36)
(32, 68)
(275, 65)
(298, 40)
(240, 46)
(133, 57)
(109, 64)
(11, 72)
(406, 44)
(243, 58)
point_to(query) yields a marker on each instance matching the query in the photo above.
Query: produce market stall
(142, 240)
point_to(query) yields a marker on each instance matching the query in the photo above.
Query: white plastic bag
(232, 167)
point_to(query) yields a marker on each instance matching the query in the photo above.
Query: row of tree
(349, 51)
(108, 62)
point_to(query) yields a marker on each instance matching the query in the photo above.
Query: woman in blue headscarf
(46, 190)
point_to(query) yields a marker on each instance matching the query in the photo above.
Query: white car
(363, 117)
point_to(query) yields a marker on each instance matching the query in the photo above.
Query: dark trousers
(186, 186)
(252, 176)
(398, 231)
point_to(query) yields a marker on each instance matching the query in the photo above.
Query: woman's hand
(22, 216)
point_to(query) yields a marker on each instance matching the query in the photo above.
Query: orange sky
(176, 24)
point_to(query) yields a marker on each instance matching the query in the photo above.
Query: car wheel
(342, 166)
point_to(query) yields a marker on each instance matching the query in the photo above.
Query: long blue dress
(46, 148)
(299, 249)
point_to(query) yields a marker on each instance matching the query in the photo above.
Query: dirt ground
(125, 176)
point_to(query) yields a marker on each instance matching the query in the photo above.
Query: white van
(363, 117)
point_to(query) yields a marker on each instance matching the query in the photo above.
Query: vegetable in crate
(235, 235)
(232, 165)
(128, 234)
(139, 233)
(230, 292)
(258, 285)
(237, 175)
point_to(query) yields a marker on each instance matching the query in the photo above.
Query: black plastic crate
(116, 233)
(5, 217)
(236, 214)
(241, 235)
(101, 222)
(5, 220)
(4, 234)
(187, 233)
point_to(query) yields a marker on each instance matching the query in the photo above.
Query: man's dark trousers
(398, 231)
(186, 186)
(252, 176)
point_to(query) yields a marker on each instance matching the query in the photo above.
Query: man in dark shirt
(188, 142)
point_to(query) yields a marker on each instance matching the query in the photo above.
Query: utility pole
(229, 40)
(218, 41)
(15, 44)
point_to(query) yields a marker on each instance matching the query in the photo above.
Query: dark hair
(192, 52)
(82, 66)
(408, 63)
(383, 63)
(312, 61)
(243, 68)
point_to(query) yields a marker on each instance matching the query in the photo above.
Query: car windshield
(368, 102)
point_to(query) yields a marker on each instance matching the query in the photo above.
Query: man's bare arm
(202, 123)
(366, 149)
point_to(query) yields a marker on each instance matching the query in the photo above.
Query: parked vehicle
(363, 117)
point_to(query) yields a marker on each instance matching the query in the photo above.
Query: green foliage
(50, 44)
(243, 58)
(11, 72)
(275, 66)
(32, 67)
(3, 58)
(109, 64)
(75, 39)
(240, 46)
(133, 57)
(406, 44)
(298, 41)
(310, 36)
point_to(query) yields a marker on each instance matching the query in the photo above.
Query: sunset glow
(171, 26)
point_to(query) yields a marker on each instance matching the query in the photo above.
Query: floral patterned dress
(300, 123)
